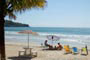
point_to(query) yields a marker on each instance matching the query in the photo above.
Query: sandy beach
(12, 50)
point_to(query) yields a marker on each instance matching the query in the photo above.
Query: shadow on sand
(19, 58)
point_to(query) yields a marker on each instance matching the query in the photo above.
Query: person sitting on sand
(45, 43)
(48, 45)
(59, 47)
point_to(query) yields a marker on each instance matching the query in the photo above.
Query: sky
(58, 13)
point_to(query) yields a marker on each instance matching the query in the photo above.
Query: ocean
(68, 36)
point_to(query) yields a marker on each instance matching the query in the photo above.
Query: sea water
(68, 36)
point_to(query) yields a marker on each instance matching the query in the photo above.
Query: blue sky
(58, 13)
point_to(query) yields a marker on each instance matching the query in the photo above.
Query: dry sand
(13, 48)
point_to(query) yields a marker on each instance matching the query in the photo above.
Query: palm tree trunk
(2, 40)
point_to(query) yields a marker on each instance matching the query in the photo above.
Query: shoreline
(36, 44)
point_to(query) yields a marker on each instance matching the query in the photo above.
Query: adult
(48, 45)
(59, 47)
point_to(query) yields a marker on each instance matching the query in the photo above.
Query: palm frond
(23, 5)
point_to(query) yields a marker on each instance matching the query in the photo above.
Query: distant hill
(9, 23)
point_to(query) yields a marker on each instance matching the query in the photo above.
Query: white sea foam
(67, 35)
(64, 38)
(81, 39)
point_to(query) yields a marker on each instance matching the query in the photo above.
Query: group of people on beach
(73, 50)
(58, 47)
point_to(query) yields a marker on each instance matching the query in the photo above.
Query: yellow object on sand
(84, 49)
(67, 49)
